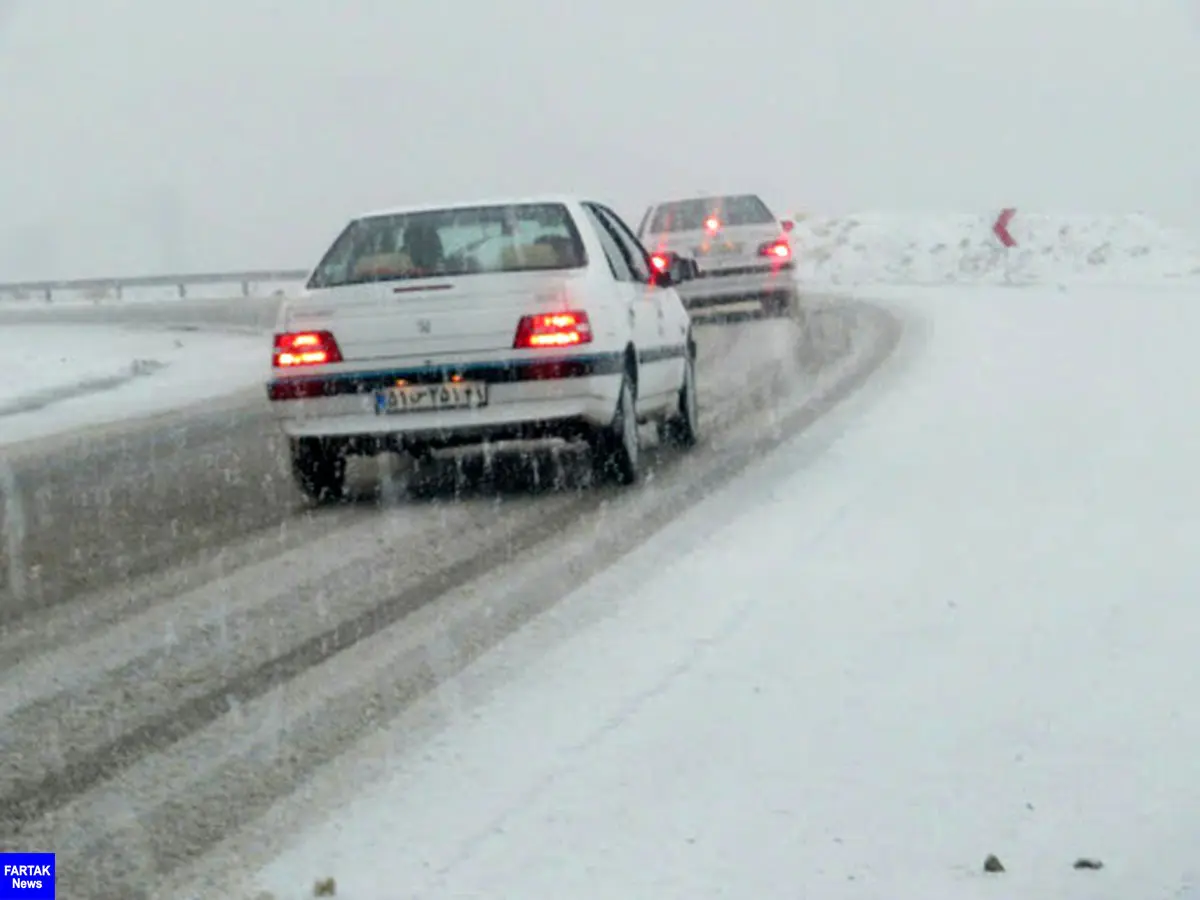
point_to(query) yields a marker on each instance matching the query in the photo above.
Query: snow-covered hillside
(932, 249)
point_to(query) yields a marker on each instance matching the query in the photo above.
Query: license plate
(724, 248)
(429, 397)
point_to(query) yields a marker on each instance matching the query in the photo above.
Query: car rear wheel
(780, 306)
(616, 449)
(682, 429)
(419, 452)
(319, 467)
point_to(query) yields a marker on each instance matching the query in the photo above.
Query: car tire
(682, 428)
(419, 452)
(780, 306)
(319, 468)
(616, 448)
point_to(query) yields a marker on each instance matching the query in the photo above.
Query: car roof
(568, 199)
(713, 195)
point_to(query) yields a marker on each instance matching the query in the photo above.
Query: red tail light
(778, 249)
(659, 262)
(712, 224)
(560, 329)
(305, 348)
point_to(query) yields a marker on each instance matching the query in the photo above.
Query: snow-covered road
(183, 641)
(953, 619)
(956, 618)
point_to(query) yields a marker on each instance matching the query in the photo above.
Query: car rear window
(452, 242)
(689, 215)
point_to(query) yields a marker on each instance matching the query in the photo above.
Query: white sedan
(431, 327)
(743, 250)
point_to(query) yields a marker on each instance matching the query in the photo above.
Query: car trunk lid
(731, 247)
(430, 318)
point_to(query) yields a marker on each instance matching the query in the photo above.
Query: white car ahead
(743, 251)
(432, 327)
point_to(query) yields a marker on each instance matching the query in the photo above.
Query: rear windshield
(689, 215)
(452, 242)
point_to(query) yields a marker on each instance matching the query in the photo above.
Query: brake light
(560, 329)
(778, 249)
(712, 224)
(305, 348)
(659, 262)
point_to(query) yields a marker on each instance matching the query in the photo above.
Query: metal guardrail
(117, 286)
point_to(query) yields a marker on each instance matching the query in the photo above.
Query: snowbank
(933, 249)
(65, 377)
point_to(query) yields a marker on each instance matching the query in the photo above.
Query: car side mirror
(788, 225)
(668, 268)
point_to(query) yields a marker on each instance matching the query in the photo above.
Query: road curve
(183, 640)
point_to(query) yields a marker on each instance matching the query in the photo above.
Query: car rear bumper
(713, 288)
(558, 399)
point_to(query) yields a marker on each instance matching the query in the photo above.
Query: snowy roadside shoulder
(68, 377)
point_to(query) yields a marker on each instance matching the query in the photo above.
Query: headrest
(529, 256)
(384, 264)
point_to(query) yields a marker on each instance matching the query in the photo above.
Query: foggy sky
(149, 135)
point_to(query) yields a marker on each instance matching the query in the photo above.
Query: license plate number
(429, 397)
